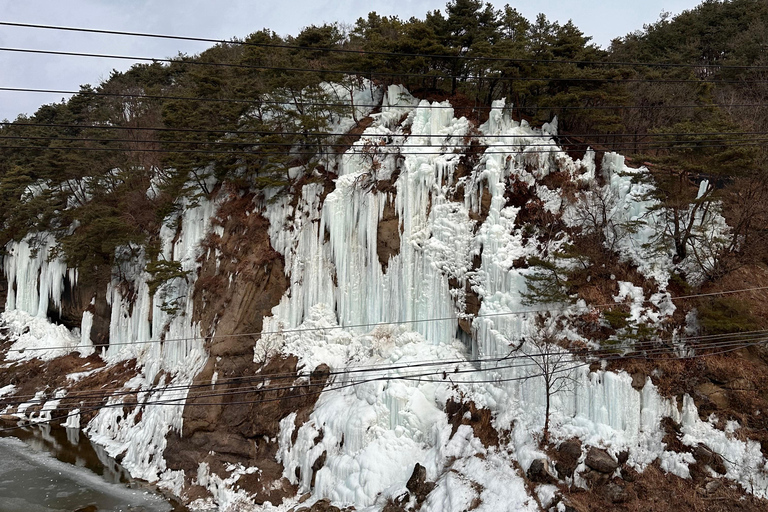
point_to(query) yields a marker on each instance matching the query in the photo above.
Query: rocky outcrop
(388, 235)
(567, 457)
(601, 461)
(230, 418)
(480, 419)
(80, 298)
(539, 472)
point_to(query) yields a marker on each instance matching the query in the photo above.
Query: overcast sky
(601, 19)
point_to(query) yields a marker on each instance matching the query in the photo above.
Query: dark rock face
(707, 457)
(600, 460)
(79, 298)
(629, 474)
(568, 455)
(418, 485)
(418, 478)
(615, 493)
(238, 425)
(3, 290)
(388, 235)
(539, 472)
(467, 413)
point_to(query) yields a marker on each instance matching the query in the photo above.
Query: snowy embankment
(389, 332)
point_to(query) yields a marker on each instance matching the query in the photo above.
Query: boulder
(629, 474)
(600, 460)
(707, 457)
(539, 472)
(568, 455)
(418, 485)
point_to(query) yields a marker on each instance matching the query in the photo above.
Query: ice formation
(345, 309)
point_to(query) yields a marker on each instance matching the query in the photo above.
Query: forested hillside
(685, 94)
(430, 264)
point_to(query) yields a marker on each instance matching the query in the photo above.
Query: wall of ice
(352, 312)
(34, 279)
(345, 307)
(142, 327)
(162, 340)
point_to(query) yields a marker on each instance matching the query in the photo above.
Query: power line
(342, 145)
(373, 52)
(250, 402)
(371, 73)
(184, 401)
(267, 133)
(656, 347)
(261, 101)
(404, 322)
(689, 145)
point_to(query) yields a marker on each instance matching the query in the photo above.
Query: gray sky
(601, 19)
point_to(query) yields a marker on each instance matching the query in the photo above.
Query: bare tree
(553, 363)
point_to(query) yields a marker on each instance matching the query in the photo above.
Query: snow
(181, 356)
(389, 332)
(35, 337)
(7, 390)
(86, 345)
(344, 310)
(33, 280)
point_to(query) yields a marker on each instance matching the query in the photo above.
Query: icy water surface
(44, 469)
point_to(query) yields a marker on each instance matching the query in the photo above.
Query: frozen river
(58, 470)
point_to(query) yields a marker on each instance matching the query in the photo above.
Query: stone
(703, 454)
(638, 380)
(718, 464)
(615, 493)
(707, 457)
(629, 474)
(568, 455)
(595, 478)
(600, 460)
(417, 483)
(324, 505)
(539, 472)
(418, 477)
(713, 486)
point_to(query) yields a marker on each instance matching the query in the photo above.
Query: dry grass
(658, 491)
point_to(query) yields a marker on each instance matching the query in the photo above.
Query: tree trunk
(545, 433)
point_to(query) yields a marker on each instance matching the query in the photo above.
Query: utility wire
(249, 384)
(655, 347)
(373, 52)
(370, 73)
(260, 101)
(266, 133)
(406, 322)
(629, 146)
(646, 348)
(337, 145)
(419, 377)
(250, 402)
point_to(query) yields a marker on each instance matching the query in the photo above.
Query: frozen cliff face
(138, 323)
(34, 279)
(36, 284)
(436, 318)
(342, 304)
